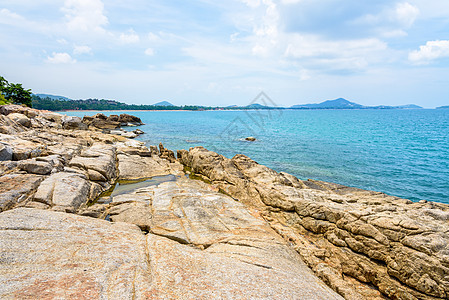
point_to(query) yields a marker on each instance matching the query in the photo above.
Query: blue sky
(225, 52)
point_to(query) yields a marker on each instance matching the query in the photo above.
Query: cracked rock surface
(171, 238)
(353, 239)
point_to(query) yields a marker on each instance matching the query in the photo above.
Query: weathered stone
(134, 212)
(100, 160)
(351, 230)
(20, 119)
(52, 255)
(65, 190)
(136, 167)
(14, 108)
(166, 154)
(22, 149)
(8, 126)
(5, 152)
(7, 167)
(113, 118)
(125, 118)
(253, 272)
(36, 167)
(69, 122)
(16, 188)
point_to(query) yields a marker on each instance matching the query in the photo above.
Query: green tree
(3, 85)
(15, 93)
(3, 101)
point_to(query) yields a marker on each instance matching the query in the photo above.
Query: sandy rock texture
(353, 239)
(52, 255)
(171, 238)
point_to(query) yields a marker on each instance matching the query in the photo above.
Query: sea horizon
(400, 152)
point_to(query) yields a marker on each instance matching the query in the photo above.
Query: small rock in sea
(250, 139)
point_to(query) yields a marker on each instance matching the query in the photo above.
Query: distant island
(342, 103)
(53, 97)
(443, 107)
(163, 103)
(61, 103)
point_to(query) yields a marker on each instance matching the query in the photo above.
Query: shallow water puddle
(128, 186)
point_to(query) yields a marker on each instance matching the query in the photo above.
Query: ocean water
(399, 152)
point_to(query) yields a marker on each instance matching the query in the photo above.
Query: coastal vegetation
(48, 103)
(14, 93)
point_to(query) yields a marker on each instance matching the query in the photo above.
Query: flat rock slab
(15, 188)
(136, 167)
(53, 255)
(183, 272)
(65, 190)
(205, 245)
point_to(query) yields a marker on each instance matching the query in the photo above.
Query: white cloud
(391, 22)
(350, 55)
(394, 33)
(406, 14)
(82, 50)
(287, 2)
(60, 58)
(129, 38)
(153, 37)
(7, 15)
(252, 3)
(85, 15)
(149, 52)
(301, 46)
(432, 50)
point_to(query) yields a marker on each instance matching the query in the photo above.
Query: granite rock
(20, 119)
(398, 246)
(64, 191)
(6, 152)
(53, 255)
(100, 161)
(17, 188)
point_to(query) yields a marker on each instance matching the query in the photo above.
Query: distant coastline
(60, 103)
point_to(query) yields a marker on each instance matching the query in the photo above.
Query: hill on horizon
(53, 97)
(163, 103)
(342, 103)
(339, 103)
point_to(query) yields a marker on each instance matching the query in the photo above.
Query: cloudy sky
(225, 52)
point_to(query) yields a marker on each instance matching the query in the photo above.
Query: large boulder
(64, 191)
(125, 119)
(19, 109)
(5, 152)
(9, 126)
(42, 165)
(69, 122)
(99, 161)
(17, 188)
(100, 121)
(20, 119)
(52, 255)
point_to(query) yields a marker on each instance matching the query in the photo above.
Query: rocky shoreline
(196, 225)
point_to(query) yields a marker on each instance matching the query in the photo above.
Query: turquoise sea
(399, 152)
